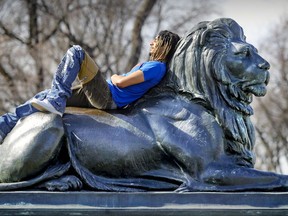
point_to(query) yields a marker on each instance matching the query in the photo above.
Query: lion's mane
(197, 71)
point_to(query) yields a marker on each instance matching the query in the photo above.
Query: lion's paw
(64, 183)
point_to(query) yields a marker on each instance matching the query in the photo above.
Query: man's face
(158, 50)
(153, 45)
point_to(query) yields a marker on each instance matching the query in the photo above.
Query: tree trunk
(33, 42)
(142, 14)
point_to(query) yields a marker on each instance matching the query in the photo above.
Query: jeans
(61, 90)
(65, 75)
(91, 95)
(9, 120)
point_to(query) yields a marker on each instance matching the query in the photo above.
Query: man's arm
(125, 81)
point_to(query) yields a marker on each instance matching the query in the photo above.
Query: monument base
(149, 203)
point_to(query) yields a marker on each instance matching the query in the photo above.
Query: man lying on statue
(94, 91)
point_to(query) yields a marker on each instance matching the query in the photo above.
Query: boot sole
(43, 108)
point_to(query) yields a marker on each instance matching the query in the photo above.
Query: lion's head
(214, 62)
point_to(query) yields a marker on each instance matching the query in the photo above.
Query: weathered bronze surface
(190, 133)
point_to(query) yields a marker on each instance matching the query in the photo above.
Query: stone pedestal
(151, 203)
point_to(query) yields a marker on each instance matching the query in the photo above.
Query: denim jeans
(95, 93)
(65, 75)
(9, 120)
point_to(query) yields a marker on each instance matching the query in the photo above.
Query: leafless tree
(271, 115)
(22, 42)
(34, 35)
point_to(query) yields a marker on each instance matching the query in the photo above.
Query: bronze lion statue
(190, 133)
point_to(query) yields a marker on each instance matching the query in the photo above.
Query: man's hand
(125, 81)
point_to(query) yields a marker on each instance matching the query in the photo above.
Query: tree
(23, 40)
(271, 115)
(34, 35)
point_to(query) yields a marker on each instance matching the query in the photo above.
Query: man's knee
(88, 70)
(77, 51)
(77, 48)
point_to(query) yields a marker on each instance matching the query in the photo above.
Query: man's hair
(166, 46)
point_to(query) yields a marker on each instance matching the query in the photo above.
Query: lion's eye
(244, 52)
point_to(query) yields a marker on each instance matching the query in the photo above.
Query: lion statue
(190, 133)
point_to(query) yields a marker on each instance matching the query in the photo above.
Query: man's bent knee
(88, 70)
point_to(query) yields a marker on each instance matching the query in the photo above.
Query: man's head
(163, 46)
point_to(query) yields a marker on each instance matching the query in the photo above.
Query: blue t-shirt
(153, 73)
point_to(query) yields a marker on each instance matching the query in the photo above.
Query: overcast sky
(255, 16)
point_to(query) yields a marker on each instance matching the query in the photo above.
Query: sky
(256, 17)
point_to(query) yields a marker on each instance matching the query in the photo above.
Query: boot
(65, 75)
(9, 120)
(44, 106)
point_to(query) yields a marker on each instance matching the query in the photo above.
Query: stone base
(150, 203)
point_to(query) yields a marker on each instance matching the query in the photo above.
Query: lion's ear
(213, 34)
(204, 35)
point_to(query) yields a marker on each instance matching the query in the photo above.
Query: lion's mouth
(246, 91)
(258, 90)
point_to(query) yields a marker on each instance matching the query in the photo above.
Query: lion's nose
(264, 65)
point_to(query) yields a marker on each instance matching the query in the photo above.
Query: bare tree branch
(10, 34)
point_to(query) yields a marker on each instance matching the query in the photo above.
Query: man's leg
(92, 95)
(93, 91)
(65, 75)
(77, 63)
(9, 120)
(98, 93)
(78, 98)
